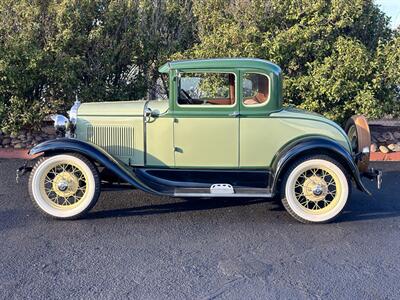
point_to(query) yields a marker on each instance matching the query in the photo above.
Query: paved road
(138, 246)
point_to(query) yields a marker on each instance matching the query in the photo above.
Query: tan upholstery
(262, 92)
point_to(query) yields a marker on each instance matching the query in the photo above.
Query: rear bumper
(375, 175)
(371, 173)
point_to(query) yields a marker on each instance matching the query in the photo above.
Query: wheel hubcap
(316, 189)
(64, 185)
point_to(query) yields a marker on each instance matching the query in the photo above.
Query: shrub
(21, 113)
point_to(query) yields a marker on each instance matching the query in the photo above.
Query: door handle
(235, 114)
(177, 149)
(149, 113)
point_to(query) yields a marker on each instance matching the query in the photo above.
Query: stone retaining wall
(26, 139)
(385, 139)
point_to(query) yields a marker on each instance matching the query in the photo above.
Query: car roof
(216, 63)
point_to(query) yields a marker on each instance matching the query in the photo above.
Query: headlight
(61, 124)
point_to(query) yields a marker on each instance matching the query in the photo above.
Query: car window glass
(162, 90)
(255, 89)
(206, 89)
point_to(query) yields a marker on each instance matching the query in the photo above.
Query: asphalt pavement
(133, 245)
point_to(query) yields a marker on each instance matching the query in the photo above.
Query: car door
(158, 136)
(206, 120)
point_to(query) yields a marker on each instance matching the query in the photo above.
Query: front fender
(95, 153)
(315, 145)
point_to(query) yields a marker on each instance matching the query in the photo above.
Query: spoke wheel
(64, 186)
(315, 189)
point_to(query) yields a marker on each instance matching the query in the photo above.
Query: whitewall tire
(64, 186)
(315, 189)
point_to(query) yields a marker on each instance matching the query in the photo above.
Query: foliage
(100, 49)
(206, 86)
(21, 113)
(166, 27)
(339, 57)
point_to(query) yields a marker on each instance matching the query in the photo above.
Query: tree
(53, 50)
(166, 27)
(100, 49)
(338, 57)
(331, 52)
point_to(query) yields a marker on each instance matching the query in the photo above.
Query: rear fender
(314, 145)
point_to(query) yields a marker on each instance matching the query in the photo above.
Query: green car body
(203, 137)
(221, 132)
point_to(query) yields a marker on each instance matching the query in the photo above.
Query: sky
(392, 9)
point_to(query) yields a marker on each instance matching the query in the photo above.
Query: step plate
(238, 193)
(221, 188)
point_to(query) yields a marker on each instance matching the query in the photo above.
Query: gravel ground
(133, 245)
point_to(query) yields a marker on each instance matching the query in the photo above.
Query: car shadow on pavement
(183, 205)
(384, 203)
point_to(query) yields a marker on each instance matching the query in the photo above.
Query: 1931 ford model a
(222, 133)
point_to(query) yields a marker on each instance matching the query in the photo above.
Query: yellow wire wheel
(315, 190)
(64, 186)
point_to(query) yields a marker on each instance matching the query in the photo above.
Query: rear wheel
(64, 186)
(315, 189)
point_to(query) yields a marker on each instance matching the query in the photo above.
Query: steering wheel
(186, 96)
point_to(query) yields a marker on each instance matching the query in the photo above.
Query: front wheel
(315, 189)
(64, 186)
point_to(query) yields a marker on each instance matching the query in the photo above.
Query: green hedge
(339, 57)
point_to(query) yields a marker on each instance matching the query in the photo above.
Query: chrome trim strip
(238, 195)
(145, 132)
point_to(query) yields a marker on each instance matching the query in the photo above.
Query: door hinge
(235, 114)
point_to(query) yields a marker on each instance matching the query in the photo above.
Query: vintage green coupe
(222, 133)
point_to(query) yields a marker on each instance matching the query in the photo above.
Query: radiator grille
(117, 140)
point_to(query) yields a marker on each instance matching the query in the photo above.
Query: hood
(117, 108)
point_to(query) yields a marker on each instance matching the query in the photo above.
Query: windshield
(160, 90)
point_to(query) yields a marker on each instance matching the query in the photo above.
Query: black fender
(314, 145)
(94, 152)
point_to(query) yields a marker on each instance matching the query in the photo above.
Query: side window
(255, 89)
(206, 89)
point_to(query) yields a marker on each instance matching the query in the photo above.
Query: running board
(209, 193)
